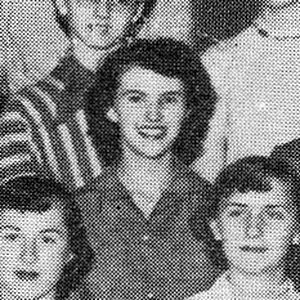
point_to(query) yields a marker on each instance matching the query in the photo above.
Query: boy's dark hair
(149, 6)
(38, 194)
(169, 58)
(249, 174)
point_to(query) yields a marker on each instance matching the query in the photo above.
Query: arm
(19, 151)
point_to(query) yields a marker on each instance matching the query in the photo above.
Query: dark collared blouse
(139, 258)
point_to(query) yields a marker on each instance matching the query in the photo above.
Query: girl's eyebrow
(237, 204)
(52, 230)
(127, 92)
(179, 92)
(10, 227)
(270, 206)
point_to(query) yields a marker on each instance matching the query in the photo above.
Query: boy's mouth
(253, 249)
(26, 275)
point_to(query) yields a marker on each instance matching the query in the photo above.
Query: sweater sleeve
(19, 145)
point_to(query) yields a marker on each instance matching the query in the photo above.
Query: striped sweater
(44, 128)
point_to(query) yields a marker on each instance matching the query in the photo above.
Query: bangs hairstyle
(249, 174)
(37, 194)
(133, 29)
(168, 58)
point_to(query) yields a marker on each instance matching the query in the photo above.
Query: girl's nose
(254, 226)
(153, 112)
(29, 251)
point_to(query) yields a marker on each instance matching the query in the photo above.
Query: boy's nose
(29, 252)
(254, 226)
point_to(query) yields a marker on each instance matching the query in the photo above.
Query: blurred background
(32, 43)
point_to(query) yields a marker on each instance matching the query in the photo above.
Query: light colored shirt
(224, 290)
(256, 78)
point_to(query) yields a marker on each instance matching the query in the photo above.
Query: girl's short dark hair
(253, 173)
(149, 6)
(169, 58)
(38, 194)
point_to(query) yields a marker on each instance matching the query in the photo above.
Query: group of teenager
(101, 195)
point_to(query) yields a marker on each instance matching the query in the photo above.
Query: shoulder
(219, 291)
(201, 296)
(99, 190)
(192, 187)
(186, 178)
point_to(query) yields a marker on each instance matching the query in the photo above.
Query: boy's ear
(62, 6)
(215, 228)
(112, 115)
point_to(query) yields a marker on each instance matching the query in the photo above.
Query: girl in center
(156, 99)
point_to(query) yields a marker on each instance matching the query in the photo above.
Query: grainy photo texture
(149, 149)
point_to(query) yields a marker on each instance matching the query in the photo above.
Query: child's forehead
(135, 74)
(128, 3)
(34, 220)
(278, 195)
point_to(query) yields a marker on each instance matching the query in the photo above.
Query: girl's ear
(187, 113)
(112, 115)
(70, 257)
(216, 229)
(62, 7)
(296, 239)
(138, 12)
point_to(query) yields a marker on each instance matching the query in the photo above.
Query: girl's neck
(263, 286)
(89, 57)
(144, 175)
(281, 23)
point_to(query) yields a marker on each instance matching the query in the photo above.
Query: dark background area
(222, 19)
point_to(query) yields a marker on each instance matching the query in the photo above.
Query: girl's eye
(135, 98)
(278, 215)
(235, 213)
(11, 236)
(170, 99)
(48, 240)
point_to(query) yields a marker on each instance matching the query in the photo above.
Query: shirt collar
(224, 289)
(71, 72)
(180, 183)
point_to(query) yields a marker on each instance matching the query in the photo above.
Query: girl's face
(257, 229)
(277, 4)
(101, 24)
(33, 252)
(149, 109)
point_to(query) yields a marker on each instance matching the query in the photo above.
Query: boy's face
(149, 109)
(101, 24)
(33, 252)
(256, 229)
